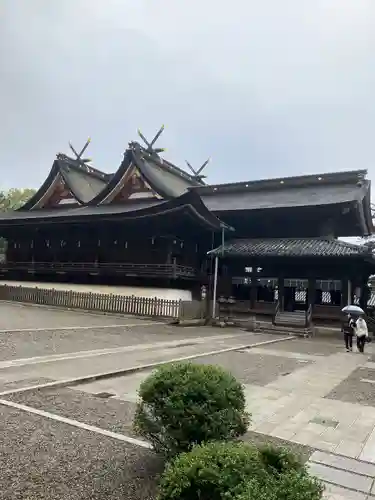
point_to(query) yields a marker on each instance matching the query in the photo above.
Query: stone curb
(126, 371)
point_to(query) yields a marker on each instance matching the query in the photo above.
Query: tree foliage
(14, 198)
(11, 200)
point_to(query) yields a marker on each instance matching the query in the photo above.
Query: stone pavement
(344, 478)
(295, 407)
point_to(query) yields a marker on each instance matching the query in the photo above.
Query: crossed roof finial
(79, 155)
(150, 145)
(197, 173)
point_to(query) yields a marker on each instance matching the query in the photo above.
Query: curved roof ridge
(165, 164)
(44, 188)
(84, 167)
(346, 177)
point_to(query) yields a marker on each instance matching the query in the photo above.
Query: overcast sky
(266, 87)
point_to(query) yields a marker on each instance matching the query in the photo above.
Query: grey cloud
(266, 88)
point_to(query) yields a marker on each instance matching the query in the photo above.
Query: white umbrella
(352, 309)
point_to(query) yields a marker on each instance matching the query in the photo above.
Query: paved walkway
(344, 478)
(295, 407)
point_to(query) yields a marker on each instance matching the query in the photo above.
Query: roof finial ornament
(79, 155)
(150, 145)
(197, 173)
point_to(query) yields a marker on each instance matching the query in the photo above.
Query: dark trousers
(348, 340)
(361, 343)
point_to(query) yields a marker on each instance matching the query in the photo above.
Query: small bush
(213, 471)
(279, 460)
(186, 404)
(293, 485)
(255, 490)
(298, 485)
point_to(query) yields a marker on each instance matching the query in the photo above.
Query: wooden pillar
(344, 293)
(365, 295)
(281, 289)
(350, 292)
(311, 292)
(253, 293)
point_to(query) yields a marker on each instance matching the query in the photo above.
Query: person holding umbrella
(356, 325)
(361, 332)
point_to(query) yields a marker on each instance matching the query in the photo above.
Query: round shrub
(279, 460)
(298, 485)
(293, 485)
(184, 404)
(255, 490)
(213, 471)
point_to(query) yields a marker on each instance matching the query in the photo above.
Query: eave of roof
(305, 196)
(136, 210)
(54, 172)
(290, 247)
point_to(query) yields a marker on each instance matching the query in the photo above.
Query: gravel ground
(42, 459)
(117, 415)
(111, 414)
(255, 369)
(314, 347)
(14, 345)
(24, 382)
(27, 344)
(19, 316)
(42, 343)
(352, 390)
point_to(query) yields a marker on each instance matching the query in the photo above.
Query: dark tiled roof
(287, 247)
(304, 196)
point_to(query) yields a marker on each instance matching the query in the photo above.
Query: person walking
(361, 332)
(348, 330)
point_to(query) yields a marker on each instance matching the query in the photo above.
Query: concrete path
(344, 478)
(297, 407)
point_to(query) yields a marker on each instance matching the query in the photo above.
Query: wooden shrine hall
(274, 243)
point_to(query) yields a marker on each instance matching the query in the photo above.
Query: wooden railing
(125, 268)
(326, 312)
(120, 304)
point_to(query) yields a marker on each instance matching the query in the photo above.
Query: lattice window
(300, 296)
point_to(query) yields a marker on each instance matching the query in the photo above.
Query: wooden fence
(112, 303)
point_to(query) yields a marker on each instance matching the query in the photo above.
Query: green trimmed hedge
(223, 471)
(211, 471)
(185, 404)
